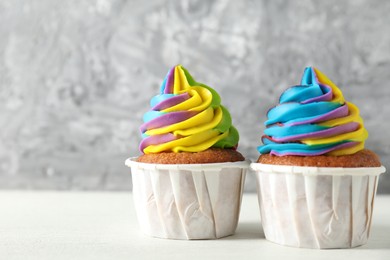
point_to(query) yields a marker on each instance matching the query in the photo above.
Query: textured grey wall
(76, 76)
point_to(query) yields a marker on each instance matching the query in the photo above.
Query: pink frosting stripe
(170, 81)
(156, 139)
(349, 127)
(336, 113)
(311, 153)
(173, 101)
(167, 119)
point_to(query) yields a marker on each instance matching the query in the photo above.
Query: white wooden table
(102, 225)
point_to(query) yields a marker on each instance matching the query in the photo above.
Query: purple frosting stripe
(311, 153)
(170, 80)
(173, 101)
(341, 129)
(336, 113)
(156, 139)
(167, 119)
(325, 97)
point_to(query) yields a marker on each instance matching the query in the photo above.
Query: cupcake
(316, 181)
(188, 180)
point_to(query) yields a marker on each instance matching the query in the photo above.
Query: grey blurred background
(77, 76)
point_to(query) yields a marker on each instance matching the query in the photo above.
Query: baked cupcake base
(364, 158)
(188, 201)
(211, 155)
(316, 207)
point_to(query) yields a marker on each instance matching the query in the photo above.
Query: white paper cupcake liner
(188, 201)
(316, 207)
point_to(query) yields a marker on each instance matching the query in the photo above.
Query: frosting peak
(313, 119)
(187, 116)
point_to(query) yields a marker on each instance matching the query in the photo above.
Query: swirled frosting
(186, 116)
(313, 119)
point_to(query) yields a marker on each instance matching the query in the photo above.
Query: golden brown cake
(212, 155)
(364, 158)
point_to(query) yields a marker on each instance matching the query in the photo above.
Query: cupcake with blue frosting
(316, 180)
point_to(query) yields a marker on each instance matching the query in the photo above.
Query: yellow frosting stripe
(347, 151)
(194, 101)
(206, 98)
(357, 136)
(203, 117)
(352, 117)
(200, 99)
(181, 82)
(337, 94)
(202, 146)
(197, 142)
(200, 128)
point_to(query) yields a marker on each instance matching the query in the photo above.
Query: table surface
(102, 225)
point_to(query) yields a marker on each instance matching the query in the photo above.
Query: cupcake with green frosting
(188, 180)
(187, 124)
(316, 181)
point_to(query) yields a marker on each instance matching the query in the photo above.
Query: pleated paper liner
(316, 207)
(188, 201)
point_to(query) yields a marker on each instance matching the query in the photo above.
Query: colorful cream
(186, 116)
(313, 119)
